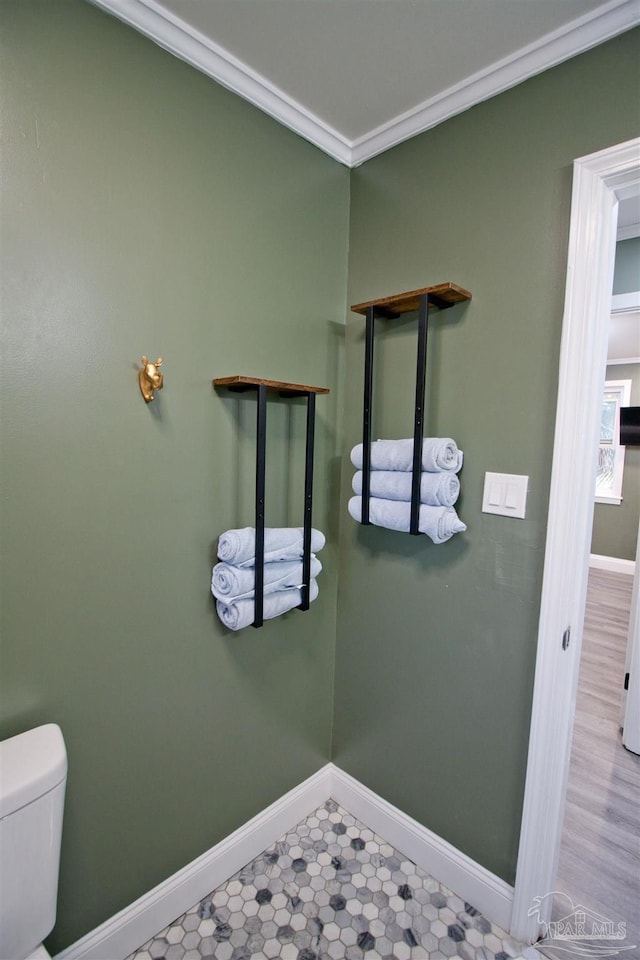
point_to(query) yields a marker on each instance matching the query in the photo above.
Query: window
(617, 394)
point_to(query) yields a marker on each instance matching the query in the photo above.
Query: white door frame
(599, 181)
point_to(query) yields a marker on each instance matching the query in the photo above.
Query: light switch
(511, 499)
(505, 493)
(495, 494)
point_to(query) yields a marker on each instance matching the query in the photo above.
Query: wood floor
(599, 863)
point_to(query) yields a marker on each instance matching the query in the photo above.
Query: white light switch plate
(505, 493)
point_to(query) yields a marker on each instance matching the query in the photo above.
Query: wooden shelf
(441, 295)
(284, 388)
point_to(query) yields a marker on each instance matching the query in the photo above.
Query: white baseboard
(137, 923)
(612, 564)
(475, 884)
(133, 926)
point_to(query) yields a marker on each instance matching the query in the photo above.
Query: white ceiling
(355, 77)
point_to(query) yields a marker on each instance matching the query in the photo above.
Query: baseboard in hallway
(612, 564)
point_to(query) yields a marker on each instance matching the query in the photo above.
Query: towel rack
(441, 296)
(240, 384)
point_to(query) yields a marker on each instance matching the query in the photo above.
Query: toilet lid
(31, 764)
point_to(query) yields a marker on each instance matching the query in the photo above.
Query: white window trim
(623, 390)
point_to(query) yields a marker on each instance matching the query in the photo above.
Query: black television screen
(630, 426)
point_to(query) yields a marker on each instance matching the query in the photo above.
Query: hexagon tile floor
(331, 889)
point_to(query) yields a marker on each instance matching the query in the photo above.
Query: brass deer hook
(150, 379)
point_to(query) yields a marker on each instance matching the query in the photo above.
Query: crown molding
(629, 232)
(576, 37)
(173, 34)
(625, 302)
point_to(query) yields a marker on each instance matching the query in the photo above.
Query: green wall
(626, 276)
(615, 526)
(148, 210)
(436, 644)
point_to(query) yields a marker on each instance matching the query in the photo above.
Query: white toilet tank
(33, 773)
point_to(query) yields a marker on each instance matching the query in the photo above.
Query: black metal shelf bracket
(261, 443)
(418, 420)
(308, 500)
(366, 419)
(288, 391)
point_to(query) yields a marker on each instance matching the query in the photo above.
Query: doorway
(601, 180)
(598, 865)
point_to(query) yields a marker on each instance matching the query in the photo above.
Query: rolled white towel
(280, 543)
(230, 583)
(438, 453)
(439, 523)
(240, 613)
(436, 489)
